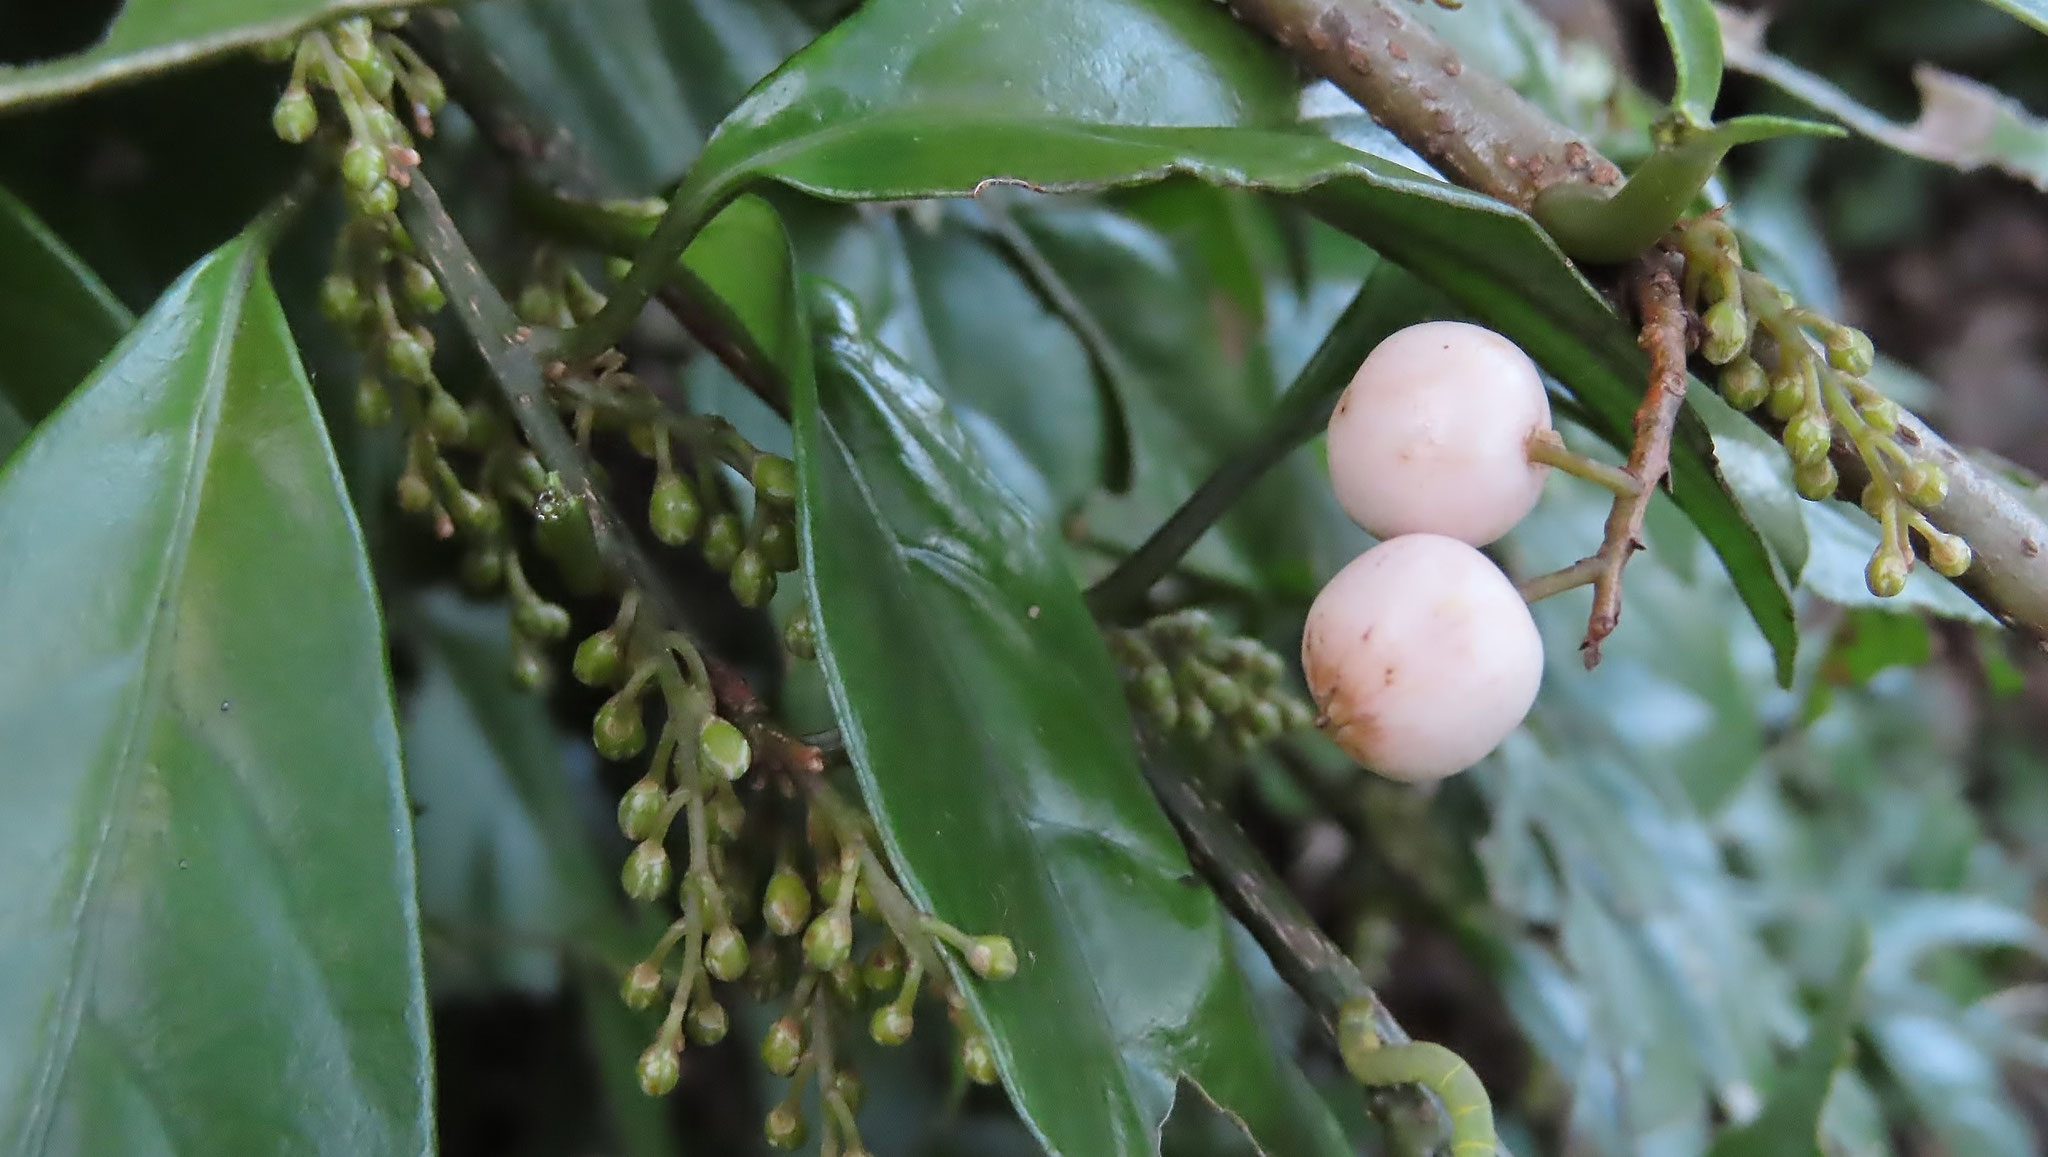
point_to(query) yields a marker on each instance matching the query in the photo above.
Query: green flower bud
(1196, 718)
(352, 39)
(422, 290)
(1253, 660)
(722, 748)
(1221, 693)
(1263, 721)
(446, 419)
(1193, 626)
(538, 305)
(708, 1022)
(659, 1069)
(362, 165)
(539, 619)
(783, 1047)
(642, 987)
(1815, 480)
(477, 515)
(828, 940)
(599, 660)
(382, 124)
(892, 1025)
(379, 200)
(617, 731)
(1788, 393)
(1156, 696)
(1807, 438)
(722, 541)
(1949, 555)
(1925, 485)
(483, 570)
(847, 1086)
(725, 953)
(373, 402)
(1882, 414)
(427, 92)
(787, 903)
(414, 495)
(753, 583)
(978, 1059)
(529, 666)
(1727, 333)
(844, 981)
(784, 1128)
(340, 299)
(883, 969)
(673, 513)
(799, 636)
(295, 119)
(279, 50)
(774, 479)
(646, 874)
(408, 358)
(1873, 500)
(1744, 384)
(1850, 351)
(728, 816)
(777, 544)
(1886, 574)
(1295, 715)
(640, 809)
(992, 957)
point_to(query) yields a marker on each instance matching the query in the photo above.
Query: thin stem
(1547, 447)
(1557, 582)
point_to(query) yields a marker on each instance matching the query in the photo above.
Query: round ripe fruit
(1432, 435)
(1421, 656)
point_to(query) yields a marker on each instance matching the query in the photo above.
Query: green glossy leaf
(983, 715)
(153, 36)
(638, 84)
(1789, 1125)
(209, 941)
(2032, 12)
(56, 321)
(1695, 39)
(872, 112)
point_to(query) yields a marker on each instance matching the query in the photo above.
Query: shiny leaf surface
(56, 321)
(1695, 39)
(982, 712)
(209, 941)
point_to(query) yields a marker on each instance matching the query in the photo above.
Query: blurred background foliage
(1622, 920)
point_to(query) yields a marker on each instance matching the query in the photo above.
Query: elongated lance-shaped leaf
(1695, 56)
(209, 941)
(152, 36)
(2032, 12)
(982, 712)
(56, 321)
(1789, 1126)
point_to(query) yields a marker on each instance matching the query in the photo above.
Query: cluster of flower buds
(370, 75)
(1765, 345)
(1182, 673)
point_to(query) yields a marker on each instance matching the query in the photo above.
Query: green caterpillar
(1434, 1067)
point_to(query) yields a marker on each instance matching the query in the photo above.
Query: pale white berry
(1432, 435)
(1421, 656)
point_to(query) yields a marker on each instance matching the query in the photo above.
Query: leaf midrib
(159, 623)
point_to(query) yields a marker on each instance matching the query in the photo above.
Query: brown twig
(1666, 337)
(772, 745)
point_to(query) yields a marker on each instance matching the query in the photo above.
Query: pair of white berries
(1420, 654)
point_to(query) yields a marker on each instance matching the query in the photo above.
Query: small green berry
(1807, 438)
(1156, 695)
(447, 421)
(422, 290)
(599, 660)
(1196, 718)
(728, 815)
(1816, 480)
(978, 1059)
(783, 1047)
(892, 1025)
(722, 748)
(373, 402)
(1850, 350)
(785, 1127)
(1886, 574)
(1949, 555)
(1744, 384)
(1882, 413)
(708, 1022)
(992, 957)
(379, 200)
(844, 981)
(725, 953)
(408, 358)
(362, 165)
(540, 619)
(883, 969)
(294, 119)
(778, 544)
(787, 904)
(1264, 720)
(1727, 333)
(753, 582)
(673, 513)
(722, 541)
(382, 123)
(640, 810)
(341, 300)
(800, 637)
(659, 1069)
(642, 987)
(647, 873)
(1221, 693)
(828, 940)
(774, 479)
(414, 495)
(617, 731)
(1925, 485)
